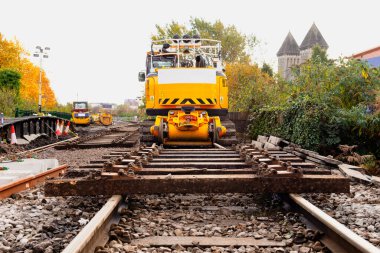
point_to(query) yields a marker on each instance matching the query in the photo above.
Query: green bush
(357, 126)
(307, 124)
(327, 103)
(318, 127)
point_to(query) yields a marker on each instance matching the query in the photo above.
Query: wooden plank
(182, 171)
(199, 155)
(193, 149)
(314, 160)
(327, 160)
(210, 159)
(354, 174)
(242, 183)
(258, 145)
(283, 155)
(185, 241)
(219, 151)
(276, 152)
(303, 165)
(262, 138)
(209, 165)
(268, 145)
(292, 159)
(274, 140)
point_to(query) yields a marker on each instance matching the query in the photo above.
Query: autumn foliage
(248, 86)
(14, 57)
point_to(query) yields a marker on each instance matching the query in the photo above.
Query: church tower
(312, 38)
(288, 55)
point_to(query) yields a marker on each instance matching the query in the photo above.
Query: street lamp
(41, 53)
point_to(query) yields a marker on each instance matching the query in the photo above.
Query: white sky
(98, 47)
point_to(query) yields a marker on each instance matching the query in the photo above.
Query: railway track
(196, 220)
(318, 227)
(120, 136)
(219, 222)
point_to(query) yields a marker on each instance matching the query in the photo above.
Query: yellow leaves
(30, 83)
(247, 85)
(364, 73)
(12, 56)
(10, 53)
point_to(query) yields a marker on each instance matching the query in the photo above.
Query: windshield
(167, 61)
(162, 64)
(82, 105)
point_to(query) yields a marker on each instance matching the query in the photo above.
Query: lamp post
(40, 53)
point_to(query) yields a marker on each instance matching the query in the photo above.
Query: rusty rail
(28, 182)
(39, 149)
(337, 237)
(95, 233)
(42, 148)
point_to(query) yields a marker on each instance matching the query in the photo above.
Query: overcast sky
(98, 47)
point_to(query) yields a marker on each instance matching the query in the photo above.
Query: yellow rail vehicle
(186, 90)
(81, 114)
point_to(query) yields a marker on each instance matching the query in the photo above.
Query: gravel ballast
(359, 211)
(229, 215)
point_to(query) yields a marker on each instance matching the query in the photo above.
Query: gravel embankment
(76, 157)
(359, 211)
(33, 223)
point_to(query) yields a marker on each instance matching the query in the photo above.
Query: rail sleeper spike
(127, 156)
(134, 167)
(144, 159)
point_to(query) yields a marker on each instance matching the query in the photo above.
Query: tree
(125, 111)
(235, 45)
(10, 79)
(248, 87)
(12, 57)
(9, 90)
(11, 53)
(319, 54)
(267, 69)
(343, 84)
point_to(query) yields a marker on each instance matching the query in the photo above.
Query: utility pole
(40, 53)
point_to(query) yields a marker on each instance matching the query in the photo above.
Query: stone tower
(288, 56)
(312, 38)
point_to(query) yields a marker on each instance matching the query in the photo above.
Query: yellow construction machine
(186, 91)
(104, 117)
(80, 114)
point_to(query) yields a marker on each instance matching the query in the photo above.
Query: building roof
(289, 46)
(312, 38)
(373, 51)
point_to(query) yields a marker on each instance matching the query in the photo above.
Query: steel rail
(31, 181)
(35, 150)
(95, 233)
(42, 148)
(218, 146)
(338, 238)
